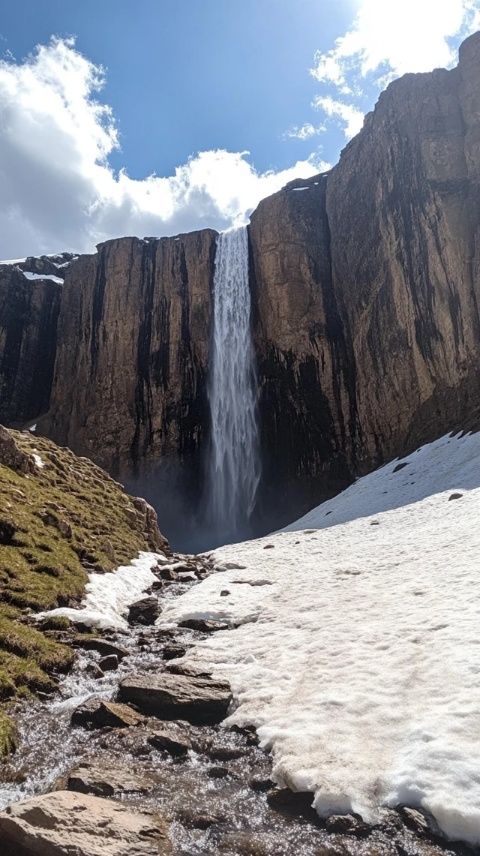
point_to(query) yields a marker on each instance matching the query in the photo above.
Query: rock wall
(133, 335)
(28, 323)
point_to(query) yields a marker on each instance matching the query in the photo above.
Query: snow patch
(360, 665)
(34, 276)
(38, 461)
(108, 596)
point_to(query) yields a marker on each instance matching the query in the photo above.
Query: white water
(234, 469)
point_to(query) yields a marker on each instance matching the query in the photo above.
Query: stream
(218, 798)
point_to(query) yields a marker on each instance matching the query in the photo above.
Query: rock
(346, 824)
(400, 466)
(261, 785)
(172, 652)
(104, 779)
(203, 625)
(218, 772)
(171, 738)
(13, 457)
(96, 713)
(168, 574)
(455, 496)
(199, 700)
(94, 670)
(194, 819)
(109, 663)
(66, 823)
(293, 804)
(416, 820)
(144, 611)
(103, 646)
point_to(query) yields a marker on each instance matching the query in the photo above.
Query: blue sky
(121, 117)
(192, 75)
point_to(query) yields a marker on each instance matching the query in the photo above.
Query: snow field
(359, 664)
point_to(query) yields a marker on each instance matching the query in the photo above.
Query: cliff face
(28, 322)
(134, 331)
(365, 287)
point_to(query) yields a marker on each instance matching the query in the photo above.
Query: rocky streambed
(132, 757)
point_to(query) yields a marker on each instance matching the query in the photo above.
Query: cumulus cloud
(349, 116)
(57, 188)
(304, 132)
(387, 39)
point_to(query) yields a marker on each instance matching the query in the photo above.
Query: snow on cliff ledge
(356, 648)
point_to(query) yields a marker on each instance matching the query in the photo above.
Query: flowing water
(234, 466)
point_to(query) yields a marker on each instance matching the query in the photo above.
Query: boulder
(97, 713)
(144, 611)
(106, 779)
(103, 646)
(72, 824)
(171, 738)
(199, 700)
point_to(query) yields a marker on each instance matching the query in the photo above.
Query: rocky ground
(132, 757)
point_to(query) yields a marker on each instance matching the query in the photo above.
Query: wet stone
(144, 611)
(96, 713)
(104, 646)
(171, 738)
(109, 663)
(105, 779)
(201, 701)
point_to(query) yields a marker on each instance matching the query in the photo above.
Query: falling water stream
(234, 465)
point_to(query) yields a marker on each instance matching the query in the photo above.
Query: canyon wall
(365, 286)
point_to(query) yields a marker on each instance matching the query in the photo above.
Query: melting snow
(108, 596)
(43, 276)
(360, 663)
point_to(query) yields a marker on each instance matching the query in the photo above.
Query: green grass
(56, 525)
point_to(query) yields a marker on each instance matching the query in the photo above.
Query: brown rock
(201, 701)
(103, 646)
(203, 625)
(144, 611)
(96, 713)
(104, 779)
(53, 824)
(109, 663)
(171, 738)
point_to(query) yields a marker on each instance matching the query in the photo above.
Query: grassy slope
(56, 524)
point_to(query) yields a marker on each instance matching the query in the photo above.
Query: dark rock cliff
(365, 287)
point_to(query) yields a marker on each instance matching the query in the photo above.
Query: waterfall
(234, 465)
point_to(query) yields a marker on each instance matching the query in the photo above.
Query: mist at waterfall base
(211, 501)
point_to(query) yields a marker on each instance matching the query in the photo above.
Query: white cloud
(304, 132)
(389, 38)
(349, 116)
(57, 188)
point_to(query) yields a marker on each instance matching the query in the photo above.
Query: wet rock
(261, 785)
(63, 823)
(199, 700)
(103, 646)
(171, 738)
(168, 574)
(194, 819)
(226, 753)
(218, 772)
(293, 804)
(109, 663)
(173, 652)
(94, 670)
(203, 625)
(96, 713)
(104, 780)
(144, 611)
(346, 824)
(415, 819)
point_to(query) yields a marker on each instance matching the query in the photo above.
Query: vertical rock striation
(134, 333)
